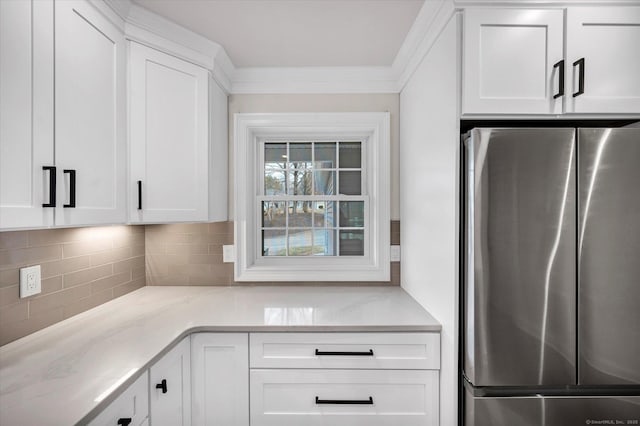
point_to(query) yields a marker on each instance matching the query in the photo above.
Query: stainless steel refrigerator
(551, 283)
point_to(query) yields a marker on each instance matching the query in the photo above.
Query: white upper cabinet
(71, 108)
(514, 61)
(90, 116)
(607, 40)
(509, 57)
(169, 145)
(26, 113)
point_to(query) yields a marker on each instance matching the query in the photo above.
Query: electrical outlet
(227, 254)
(395, 253)
(30, 282)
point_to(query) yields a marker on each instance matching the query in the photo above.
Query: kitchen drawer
(308, 397)
(132, 405)
(419, 351)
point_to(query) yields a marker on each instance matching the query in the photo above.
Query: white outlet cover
(227, 254)
(30, 282)
(395, 253)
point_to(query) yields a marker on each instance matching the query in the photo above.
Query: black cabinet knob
(162, 385)
(125, 421)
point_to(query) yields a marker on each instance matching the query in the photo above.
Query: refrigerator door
(551, 411)
(520, 277)
(609, 256)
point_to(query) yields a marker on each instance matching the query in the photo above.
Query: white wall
(322, 103)
(429, 156)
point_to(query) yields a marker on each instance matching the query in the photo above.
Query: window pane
(351, 243)
(324, 242)
(324, 213)
(325, 155)
(350, 183)
(300, 181)
(351, 214)
(274, 181)
(275, 153)
(273, 214)
(300, 214)
(300, 242)
(274, 243)
(350, 153)
(324, 182)
(300, 155)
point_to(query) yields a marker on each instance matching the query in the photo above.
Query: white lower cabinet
(131, 408)
(350, 379)
(170, 387)
(220, 379)
(344, 397)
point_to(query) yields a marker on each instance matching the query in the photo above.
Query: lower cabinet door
(220, 379)
(344, 397)
(169, 387)
(131, 408)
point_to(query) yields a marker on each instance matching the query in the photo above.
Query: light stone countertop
(55, 376)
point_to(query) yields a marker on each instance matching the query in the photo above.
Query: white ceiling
(297, 33)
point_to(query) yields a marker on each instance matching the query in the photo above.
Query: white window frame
(373, 129)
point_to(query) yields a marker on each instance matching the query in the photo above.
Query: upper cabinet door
(90, 104)
(605, 40)
(169, 138)
(26, 113)
(509, 57)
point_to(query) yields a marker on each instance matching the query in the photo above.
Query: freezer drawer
(310, 397)
(520, 272)
(609, 256)
(551, 411)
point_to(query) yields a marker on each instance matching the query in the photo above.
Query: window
(312, 197)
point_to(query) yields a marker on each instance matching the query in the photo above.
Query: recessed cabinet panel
(508, 60)
(170, 387)
(220, 379)
(608, 40)
(26, 112)
(90, 116)
(169, 138)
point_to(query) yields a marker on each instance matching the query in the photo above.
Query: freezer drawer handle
(368, 353)
(580, 64)
(345, 401)
(162, 385)
(124, 421)
(559, 64)
(52, 186)
(72, 188)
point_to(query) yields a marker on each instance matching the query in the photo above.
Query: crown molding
(148, 28)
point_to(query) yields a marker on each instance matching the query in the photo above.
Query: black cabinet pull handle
(580, 64)
(162, 385)
(139, 195)
(559, 64)
(52, 186)
(72, 188)
(345, 401)
(124, 421)
(368, 353)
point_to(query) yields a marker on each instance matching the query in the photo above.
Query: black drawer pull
(560, 66)
(52, 186)
(345, 401)
(330, 353)
(162, 385)
(139, 195)
(125, 421)
(72, 188)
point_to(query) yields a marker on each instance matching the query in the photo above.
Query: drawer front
(312, 397)
(416, 351)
